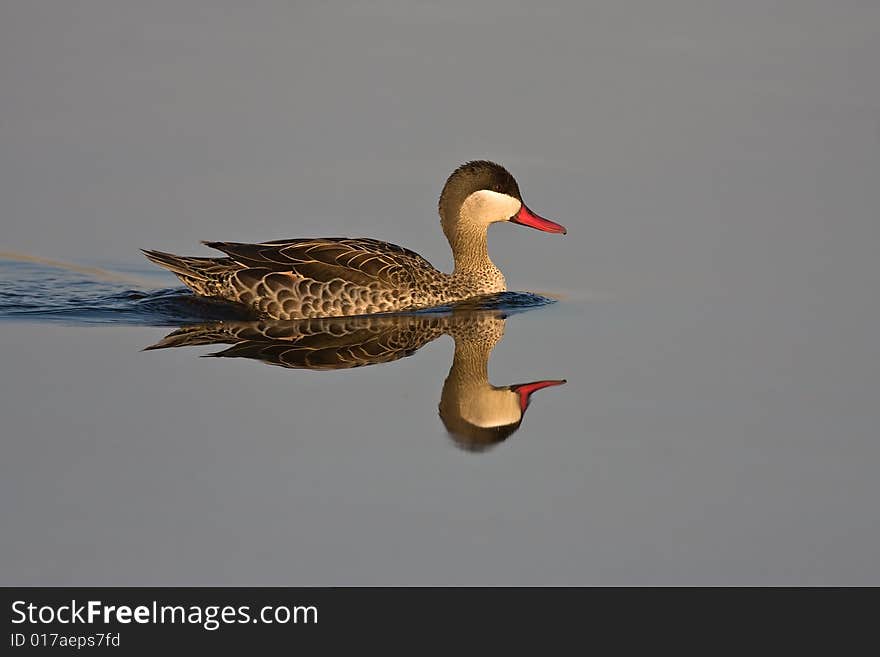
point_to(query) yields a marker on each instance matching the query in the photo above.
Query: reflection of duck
(334, 277)
(476, 413)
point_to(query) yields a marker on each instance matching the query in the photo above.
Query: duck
(340, 276)
(476, 414)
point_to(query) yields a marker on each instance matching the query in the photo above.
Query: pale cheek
(486, 207)
(502, 208)
(512, 208)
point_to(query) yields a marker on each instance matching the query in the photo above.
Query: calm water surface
(706, 439)
(716, 313)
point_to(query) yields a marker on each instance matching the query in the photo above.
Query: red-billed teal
(338, 276)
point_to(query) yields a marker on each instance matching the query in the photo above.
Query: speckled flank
(335, 277)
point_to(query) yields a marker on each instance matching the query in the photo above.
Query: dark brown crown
(473, 177)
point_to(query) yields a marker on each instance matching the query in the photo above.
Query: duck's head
(481, 193)
(485, 416)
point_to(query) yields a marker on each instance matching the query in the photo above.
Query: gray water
(716, 165)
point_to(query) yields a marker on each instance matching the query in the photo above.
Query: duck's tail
(180, 265)
(203, 275)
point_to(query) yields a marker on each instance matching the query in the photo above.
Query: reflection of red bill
(525, 390)
(528, 218)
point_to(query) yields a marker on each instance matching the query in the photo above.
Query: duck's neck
(472, 264)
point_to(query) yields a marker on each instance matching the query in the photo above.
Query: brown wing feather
(361, 261)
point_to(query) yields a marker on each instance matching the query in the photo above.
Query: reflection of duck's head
(477, 414)
(480, 416)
